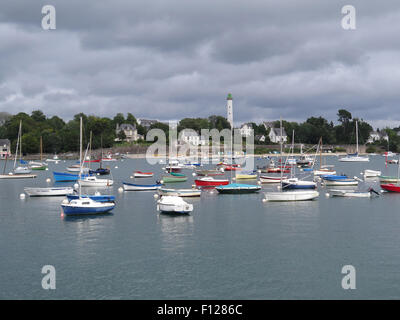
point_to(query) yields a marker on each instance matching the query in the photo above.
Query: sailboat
(39, 165)
(85, 205)
(100, 170)
(92, 181)
(323, 169)
(20, 172)
(354, 157)
(281, 195)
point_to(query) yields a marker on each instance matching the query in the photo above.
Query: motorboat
(140, 174)
(173, 204)
(372, 173)
(85, 206)
(295, 183)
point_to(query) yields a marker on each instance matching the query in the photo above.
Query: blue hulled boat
(65, 177)
(98, 198)
(238, 188)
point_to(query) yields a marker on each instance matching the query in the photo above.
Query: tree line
(60, 136)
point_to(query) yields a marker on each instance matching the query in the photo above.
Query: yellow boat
(243, 176)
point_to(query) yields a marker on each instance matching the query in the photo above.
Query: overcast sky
(170, 59)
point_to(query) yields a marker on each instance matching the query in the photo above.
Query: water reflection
(175, 230)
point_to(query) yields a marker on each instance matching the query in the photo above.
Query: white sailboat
(354, 157)
(20, 172)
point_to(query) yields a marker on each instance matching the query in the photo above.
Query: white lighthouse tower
(229, 107)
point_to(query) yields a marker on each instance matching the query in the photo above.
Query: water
(230, 247)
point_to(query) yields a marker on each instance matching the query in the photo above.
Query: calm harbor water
(230, 247)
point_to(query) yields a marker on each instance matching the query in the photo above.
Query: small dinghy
(352, 193)
(48, 192)
(170, 179)
(140, 187)
(301, 195)
(100, 171)
(371, 173)
(140, 174)
(388, 179)
(180, 192)
(246, 176)
(271, 179)
(209, 173)
(295, 183)
(17, 176)
(238, 188)
(173, 204)
(210, 182)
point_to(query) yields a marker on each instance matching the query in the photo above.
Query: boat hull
(48, 192)
(138, 187)
(390, 187)
(68, 210)
(291, 196)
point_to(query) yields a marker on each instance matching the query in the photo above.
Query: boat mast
(357, 136)
(41, 149)
(280, 139)
(16, 150)
(80, 157)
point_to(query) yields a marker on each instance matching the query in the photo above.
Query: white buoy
(120, 189)
(155, 196)
(48, 180)
(116, 167)
(264, 200)
(193, 186)
(47, 169)
(233, 178)
(161, 181)
(194, 174)
(97, 193)
(98, 174)
(65, 201)
(131, 177)
(259, 171)
(22, 196)
(327, 195)
(76, 186)
(258, 182)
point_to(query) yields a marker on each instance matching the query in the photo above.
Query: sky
(171, 59)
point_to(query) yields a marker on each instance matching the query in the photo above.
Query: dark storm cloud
(170, 59)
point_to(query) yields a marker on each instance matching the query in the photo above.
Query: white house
(191, 137)
(129, 130)
(4, 148)
(275, 135)
(146, 123)
(246, 130)
(376, 136)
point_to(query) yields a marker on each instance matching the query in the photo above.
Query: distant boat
(108, 158)
(351, 193)
(300, 195)
(99, 171)
(210, 182)
(272, 179)
(388, 179)
(140, 174)
(64, 176)
(98, 198)
(246, 176)
(295, 183)
(35, 165)
(92, 181)
(341, 182)
(48, 192)
(238, 188)
(54, 159)
(371, 173)
(209, 173)
(180, 192)
(173, 204)
(169, 179)
(140, 187)
(354, 157)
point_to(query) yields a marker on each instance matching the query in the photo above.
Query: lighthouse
(229, 108)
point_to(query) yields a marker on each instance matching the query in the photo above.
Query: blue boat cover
(239, 186)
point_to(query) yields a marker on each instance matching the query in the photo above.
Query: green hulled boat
(176, 174)
(169, 179)
(388, 179)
